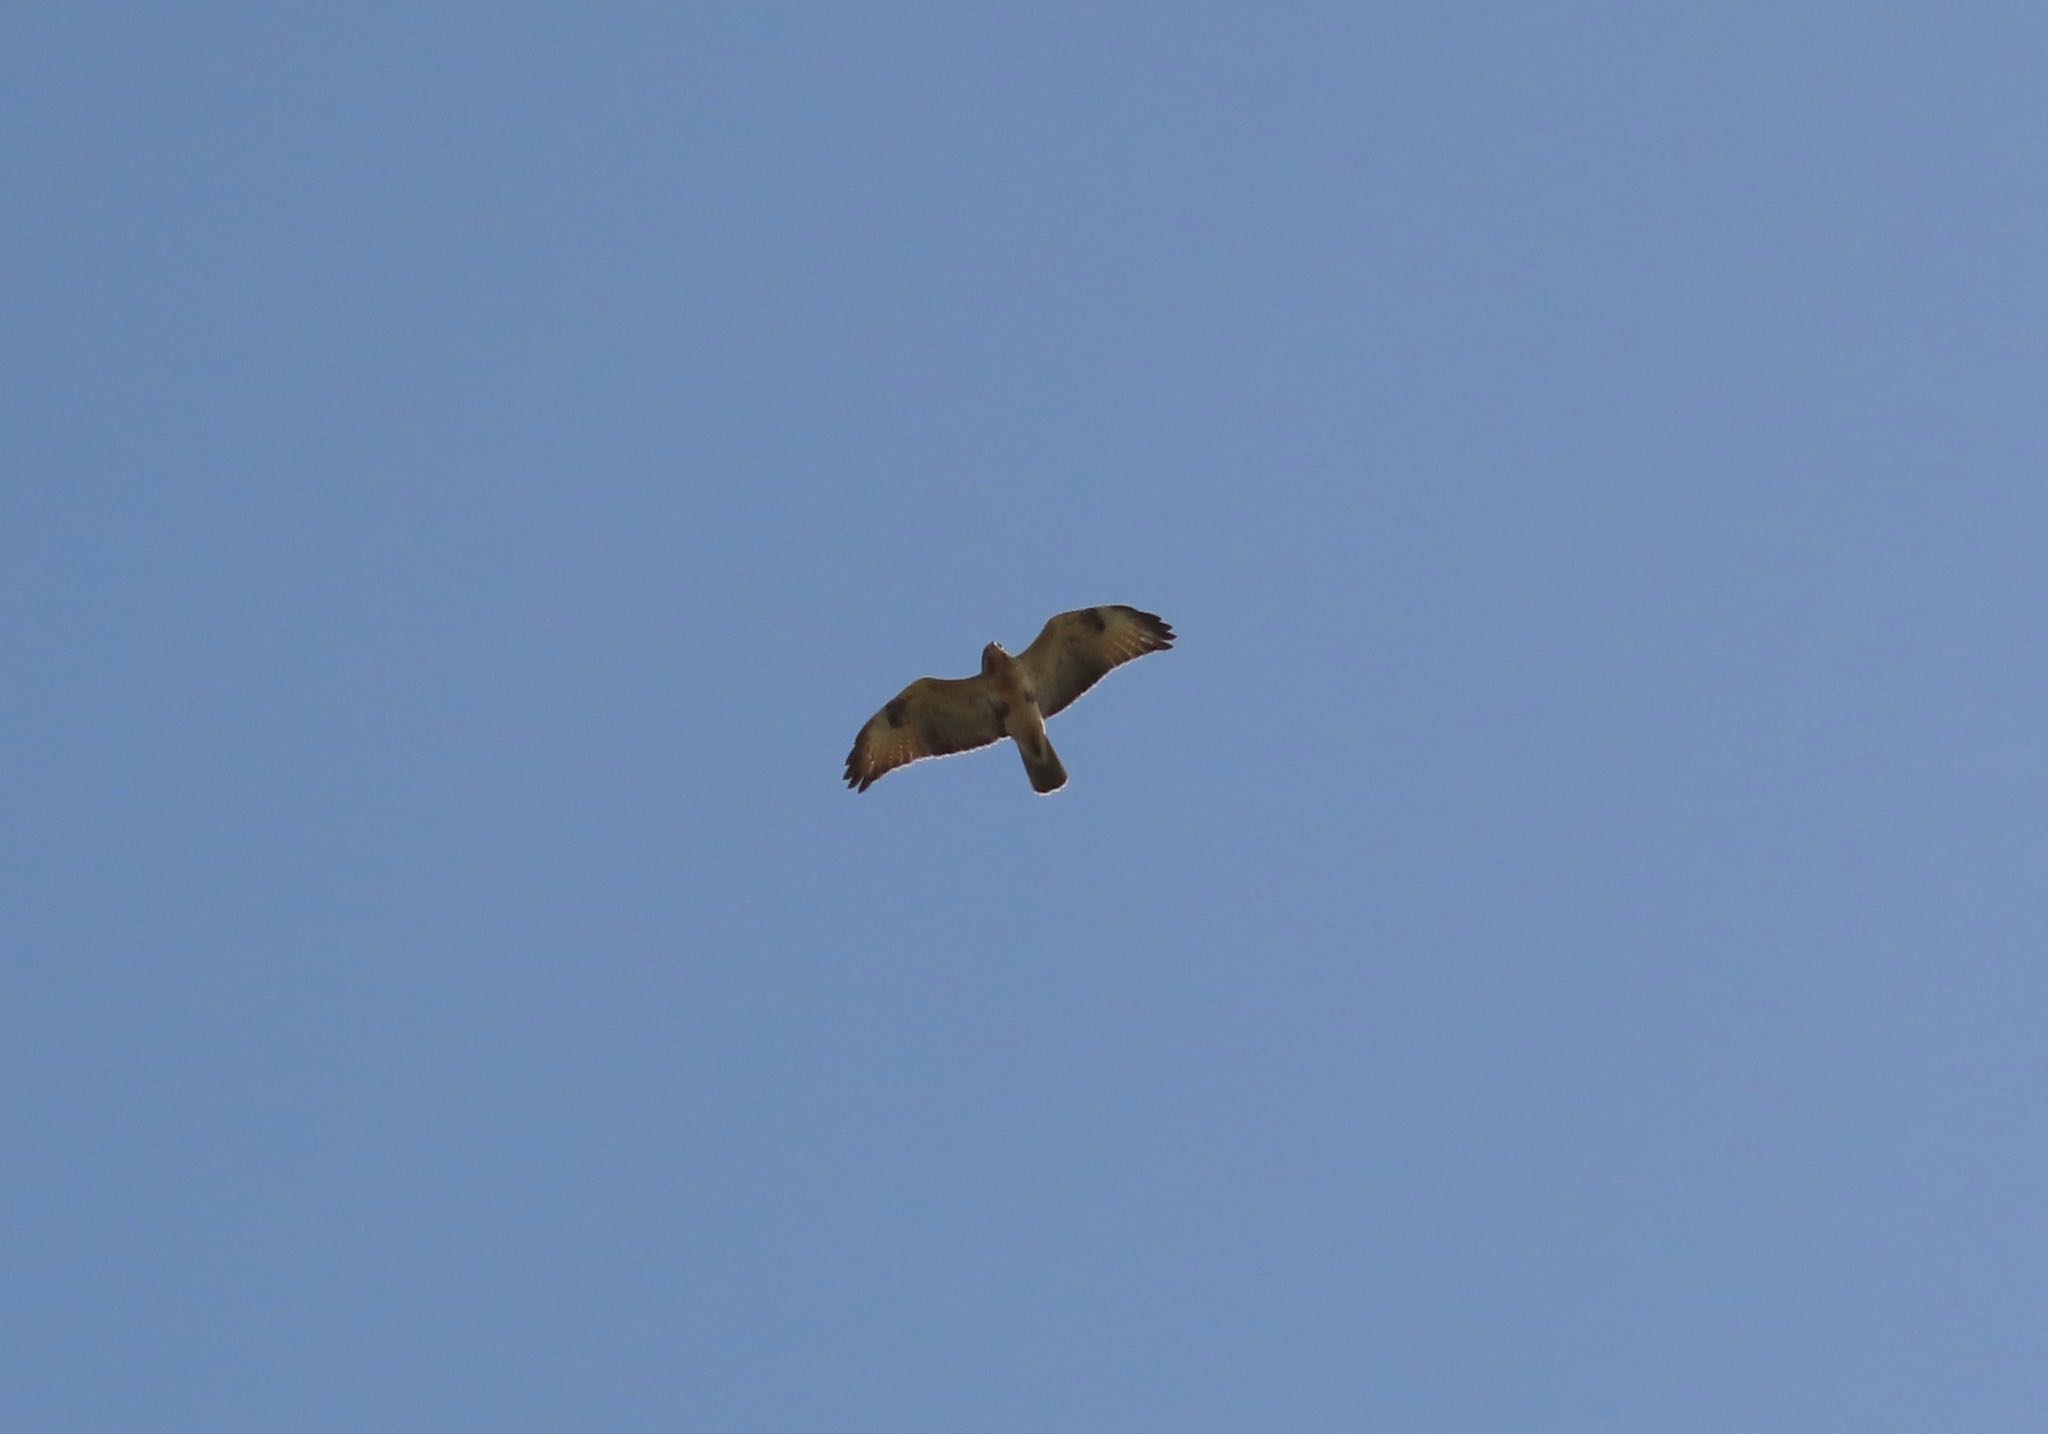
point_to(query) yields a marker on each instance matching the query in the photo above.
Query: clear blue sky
(1558, 945)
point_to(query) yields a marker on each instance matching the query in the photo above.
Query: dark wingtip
(1157, 628)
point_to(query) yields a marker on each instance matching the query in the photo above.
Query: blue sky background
(1558, 945)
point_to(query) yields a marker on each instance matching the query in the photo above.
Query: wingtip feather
(1155, 628)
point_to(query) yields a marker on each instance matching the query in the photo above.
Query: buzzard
(1012, 697)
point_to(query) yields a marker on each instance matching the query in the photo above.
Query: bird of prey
(935, 716)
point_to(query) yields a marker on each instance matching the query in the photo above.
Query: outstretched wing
(931, 717)
(1074, 650)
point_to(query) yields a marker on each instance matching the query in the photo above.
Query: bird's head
(992, 656)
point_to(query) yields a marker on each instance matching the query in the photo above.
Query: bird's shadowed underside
(1011, 697)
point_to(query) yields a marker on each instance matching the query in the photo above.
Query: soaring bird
(1012, 697)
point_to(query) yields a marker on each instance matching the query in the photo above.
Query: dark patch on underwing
(894, 712)
(1095, 618)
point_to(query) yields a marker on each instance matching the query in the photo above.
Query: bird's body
(1017, 708)
(1012, 697)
